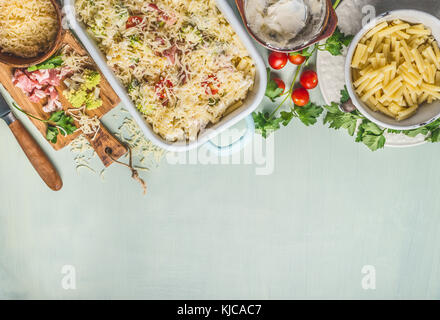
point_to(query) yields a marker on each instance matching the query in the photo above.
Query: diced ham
(160, 40)
(52, 105)
(17, 74)
(23, 82)
(168, 18)
(41, 76)
(170, 54)
(153, 7)
(37, 95)
(51, 92)
(41, 84)
(54, 77)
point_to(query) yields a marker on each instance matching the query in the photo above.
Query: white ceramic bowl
(427, 113)
(250, 104)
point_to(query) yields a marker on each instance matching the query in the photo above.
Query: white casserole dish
(250, 104)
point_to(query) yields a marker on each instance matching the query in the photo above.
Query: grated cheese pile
(88, 125)
(145, 154)
(27, 27)
(75, 62)
(144, 151)
(180, 60)
(84, 153)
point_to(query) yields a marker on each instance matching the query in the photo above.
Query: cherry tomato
(296, 58)
(278, 60)
(133, 21)
(280, 83)
(161, 87)
(309, 79)
(300, 97)
(213, 84)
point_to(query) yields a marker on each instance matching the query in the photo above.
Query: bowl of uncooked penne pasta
(393, 70)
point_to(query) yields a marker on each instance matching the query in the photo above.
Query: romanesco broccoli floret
(92, 103)
(77, 98)
(92, 79)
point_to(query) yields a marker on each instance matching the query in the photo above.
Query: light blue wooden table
(329, 208)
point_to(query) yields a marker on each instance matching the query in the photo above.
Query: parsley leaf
(371, 127)
(371, 135)
(264, 125)
(52, 63)
(429, 130)
(374, 142)
(333, 108)
(367, 132)
(308, 114)
(307, 52)
(52, 134)
(335, 44)
(59, 122)
(60, 119)
(433, 125)
(272, 90)
(287, 117)
(414, 133)
(435, 136)
(345, 96)
(339, 119)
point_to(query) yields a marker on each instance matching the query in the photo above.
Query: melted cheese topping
(181, 61)
(27, 27)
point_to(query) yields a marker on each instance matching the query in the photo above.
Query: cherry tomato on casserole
(161, 88)
(280, 83)
(213, 84)
(309, 79)
(296, 58)
(133, 21)
(300, 97)
(278, 60)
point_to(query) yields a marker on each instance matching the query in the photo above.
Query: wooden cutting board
(110, 100)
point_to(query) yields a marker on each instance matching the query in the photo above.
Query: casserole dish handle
(237, 146)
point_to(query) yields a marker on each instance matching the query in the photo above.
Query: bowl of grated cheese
(30, 31)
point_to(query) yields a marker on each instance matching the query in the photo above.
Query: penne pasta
(376, 29)
(396, 68)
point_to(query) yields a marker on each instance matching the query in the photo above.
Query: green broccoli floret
(77, 98)
(92, 79)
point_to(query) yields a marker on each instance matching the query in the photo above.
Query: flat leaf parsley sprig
(368, 132)
(268, 122)
(58, 123)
